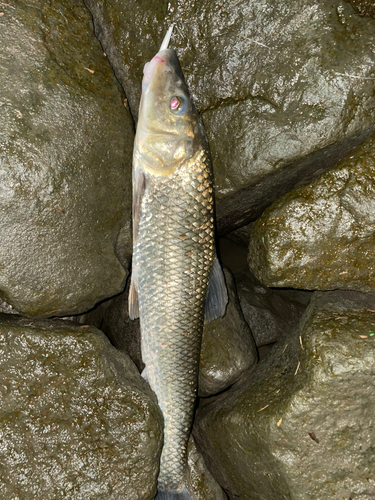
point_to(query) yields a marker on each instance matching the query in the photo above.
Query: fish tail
(180, 495)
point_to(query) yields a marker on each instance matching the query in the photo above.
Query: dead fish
(174, 257)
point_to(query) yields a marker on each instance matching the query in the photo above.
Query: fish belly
(174, 256)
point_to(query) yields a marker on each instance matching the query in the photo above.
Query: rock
(76, 419)
(66, 145)
(364, 7)
(112, 318)
(268, 313)
(284, 91)
(5, 308)
(321, 236)
(200, 481)
(241, 235)
(301, 425)
(228, 348)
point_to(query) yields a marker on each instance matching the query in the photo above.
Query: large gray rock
(321, 236)
(77, 421)
(269, 313)
(285, 90)
(66, 144)
(301, 425)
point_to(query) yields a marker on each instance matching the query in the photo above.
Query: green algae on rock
(301, 424)
(321, 236)
(77, 421)
(66, 145)
(285, 89)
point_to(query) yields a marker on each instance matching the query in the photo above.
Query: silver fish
(174, 257)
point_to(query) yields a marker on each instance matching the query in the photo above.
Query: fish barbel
(174, 257)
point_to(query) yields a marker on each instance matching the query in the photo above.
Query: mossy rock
(321, 236)
(77, 421)
(301, 424)
(66, 144)
(285, 89)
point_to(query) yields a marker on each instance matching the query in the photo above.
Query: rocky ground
(287, 382)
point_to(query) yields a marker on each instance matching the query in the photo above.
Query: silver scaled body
(174, 255)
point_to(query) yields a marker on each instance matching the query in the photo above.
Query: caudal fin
(166, 495)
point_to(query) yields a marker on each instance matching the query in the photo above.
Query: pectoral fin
(133, 301)
(139, 183)
(217, 294)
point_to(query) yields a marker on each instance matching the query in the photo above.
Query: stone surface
(112, 318)
(364, 7)
(268, 313)
(5, 308)
(228, 347)
(285, 91)
(321, 236)
(241, 235)
(76, 419)
(301, 425)
(200, 481)
(66, 143)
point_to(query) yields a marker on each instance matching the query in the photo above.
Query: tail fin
(166, 495)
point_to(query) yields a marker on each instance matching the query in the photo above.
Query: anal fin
(217, 294)
(166, 495)
(144, 374)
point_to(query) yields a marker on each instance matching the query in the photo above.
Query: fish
(177, 281)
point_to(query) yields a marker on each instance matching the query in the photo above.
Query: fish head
(168, 127)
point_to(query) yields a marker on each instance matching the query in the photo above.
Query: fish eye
(175, 103)
(178, 104)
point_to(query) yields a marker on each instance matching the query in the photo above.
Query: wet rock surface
(112, 318)
(200, 481)
(301, 424)
(269, 313)
(285, 92)
(363, 7)
(228, 347)
(66, 144)
(321, 236)
(76, 419)
(289, 99)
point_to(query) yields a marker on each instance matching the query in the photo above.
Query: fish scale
(175, 281)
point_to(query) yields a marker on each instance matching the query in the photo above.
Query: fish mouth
(167, 58)
(149, 70)
(149, 67)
